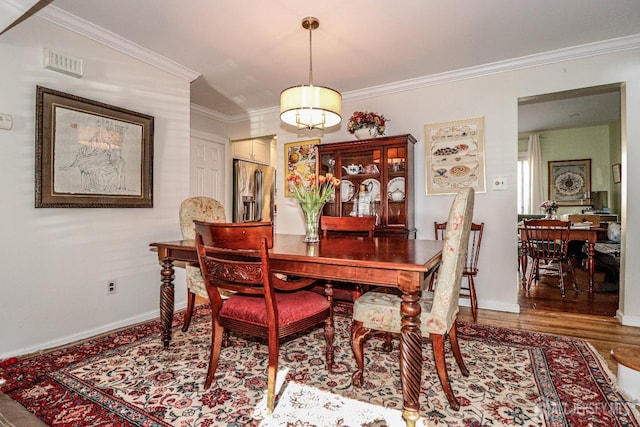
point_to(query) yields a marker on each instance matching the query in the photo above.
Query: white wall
(494, 96)
(56, 262)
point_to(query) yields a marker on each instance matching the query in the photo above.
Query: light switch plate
(6, 121)
(499, 182)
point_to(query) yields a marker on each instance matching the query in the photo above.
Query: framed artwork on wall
(616, 171)
(300, 158)
(570, 181)
(90, 154)
(455, 156)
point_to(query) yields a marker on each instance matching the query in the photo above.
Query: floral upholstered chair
(381, 311)
(201, 209)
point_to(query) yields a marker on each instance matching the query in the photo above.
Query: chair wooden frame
(548, 240)
(470, 262)
(235, 257)
(347, 225)
(439, 310)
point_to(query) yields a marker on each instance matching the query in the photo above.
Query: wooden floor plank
(588, 315)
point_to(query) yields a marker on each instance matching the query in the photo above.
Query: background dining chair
(381, 311)
(202, 209)
(548, 240)
(235, 257)
(470, 262)
(357, 225)
(351, 226)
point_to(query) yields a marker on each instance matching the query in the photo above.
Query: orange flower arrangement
(315, 192)
(312, 195)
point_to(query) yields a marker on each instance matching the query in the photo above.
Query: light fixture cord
(310, 55)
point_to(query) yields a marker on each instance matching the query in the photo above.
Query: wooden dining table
(589, 235)
(380, 261)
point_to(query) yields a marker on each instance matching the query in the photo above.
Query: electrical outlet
(111, 287)
(499, 182)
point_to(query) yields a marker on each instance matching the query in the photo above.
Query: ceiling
(246, 51)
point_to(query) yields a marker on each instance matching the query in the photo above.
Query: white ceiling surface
(11, 10)
(248, 51)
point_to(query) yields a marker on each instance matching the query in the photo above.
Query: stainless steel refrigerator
(253, 192)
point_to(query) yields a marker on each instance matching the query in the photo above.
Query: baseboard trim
(48, 345)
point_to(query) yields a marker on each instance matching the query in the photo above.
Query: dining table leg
(591, 263)
(523, 263)
(167, 296)
(411, 356)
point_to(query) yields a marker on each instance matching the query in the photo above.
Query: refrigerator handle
(259, 196)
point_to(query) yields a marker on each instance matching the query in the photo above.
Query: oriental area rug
(127, 378)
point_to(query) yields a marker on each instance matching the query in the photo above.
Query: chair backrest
(201, 209)
(547, 239)
(363, 225)
(445, 298)
(473, 249)
(234, 256)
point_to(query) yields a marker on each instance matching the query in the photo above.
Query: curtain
(535, 174)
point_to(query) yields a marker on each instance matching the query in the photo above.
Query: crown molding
(85, 28)
(530, 61)
(536, 60)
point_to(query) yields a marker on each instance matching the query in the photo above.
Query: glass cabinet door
(360, 189)
(327, 164)
(396, 162)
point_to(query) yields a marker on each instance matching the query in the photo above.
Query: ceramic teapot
(353, 169)
(396, 195)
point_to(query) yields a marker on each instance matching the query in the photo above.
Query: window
(524, 186)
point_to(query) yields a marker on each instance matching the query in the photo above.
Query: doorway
(578, 124)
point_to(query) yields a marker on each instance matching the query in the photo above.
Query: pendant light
(309, 106)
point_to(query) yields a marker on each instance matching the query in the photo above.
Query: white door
(207, 169)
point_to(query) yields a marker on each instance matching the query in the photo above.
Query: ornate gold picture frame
(300, 158)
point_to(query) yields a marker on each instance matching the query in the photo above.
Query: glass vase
(311, 213)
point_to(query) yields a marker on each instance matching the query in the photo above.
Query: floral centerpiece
(373, 124)
(549, 207)
(312, 194)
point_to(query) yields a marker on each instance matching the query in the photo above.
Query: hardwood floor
(584, 315)
(545, 295)
(604, 333)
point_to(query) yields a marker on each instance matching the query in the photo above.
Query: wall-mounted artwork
(570, 182)
(616, 172)
(300, 159)
(90, 154)
(455, 156)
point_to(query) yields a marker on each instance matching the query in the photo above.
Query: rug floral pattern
(127, 378)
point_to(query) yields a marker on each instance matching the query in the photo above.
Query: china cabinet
(376, 179)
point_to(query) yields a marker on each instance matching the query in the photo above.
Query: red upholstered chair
(470, 262)
(235, 257)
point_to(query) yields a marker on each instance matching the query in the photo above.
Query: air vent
(62, 63)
